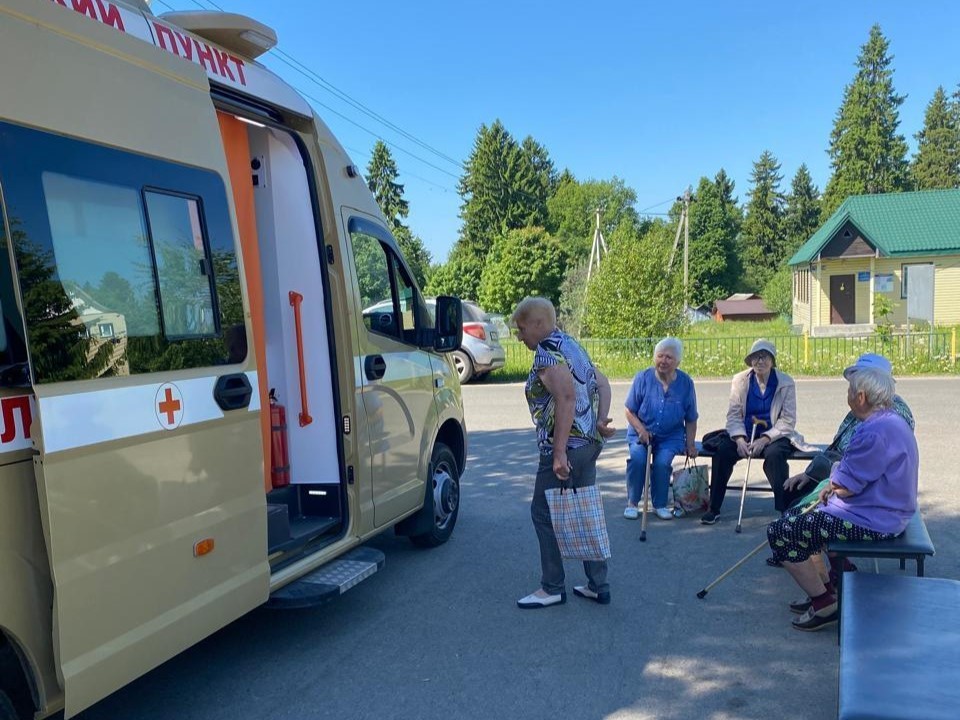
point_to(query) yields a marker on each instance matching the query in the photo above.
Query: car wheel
(464, 366)
(445, 487)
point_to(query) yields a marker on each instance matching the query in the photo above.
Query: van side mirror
(449, 324)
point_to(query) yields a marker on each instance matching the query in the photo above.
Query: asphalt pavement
(436, 634)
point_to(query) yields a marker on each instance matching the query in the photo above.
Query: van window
(126, 263)
(182, 270)
(391, 304)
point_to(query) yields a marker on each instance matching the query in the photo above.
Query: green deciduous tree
(867, 153)
(572, 210)
(803, 212)
(714, 226)
(631, 295)
(528, 261)
(778, 292)
(937, 161)
(382, 180)
(761, 237)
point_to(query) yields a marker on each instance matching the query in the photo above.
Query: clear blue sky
(658, 94)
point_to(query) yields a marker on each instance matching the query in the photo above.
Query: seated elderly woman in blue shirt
(661, 410)
(871, 496)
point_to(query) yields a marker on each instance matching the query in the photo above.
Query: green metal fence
(911, 353)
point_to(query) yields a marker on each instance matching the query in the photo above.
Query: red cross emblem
(169, 406)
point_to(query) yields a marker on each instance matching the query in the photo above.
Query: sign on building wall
(863, 276)
(883, 283)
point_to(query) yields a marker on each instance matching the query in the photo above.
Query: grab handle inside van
(296, 300)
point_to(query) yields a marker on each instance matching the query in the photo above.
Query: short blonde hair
(538, 307)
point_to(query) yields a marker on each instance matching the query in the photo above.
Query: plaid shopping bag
(578, 522)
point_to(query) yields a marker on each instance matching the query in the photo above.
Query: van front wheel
(445, 487)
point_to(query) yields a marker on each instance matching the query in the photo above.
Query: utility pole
(599, 246)
(684, 226)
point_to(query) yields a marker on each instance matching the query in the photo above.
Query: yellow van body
(188, 255)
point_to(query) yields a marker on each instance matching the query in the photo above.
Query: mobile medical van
(198, 415)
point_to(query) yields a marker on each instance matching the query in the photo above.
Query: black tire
(7, 712)
(464, 366)
(444, 497)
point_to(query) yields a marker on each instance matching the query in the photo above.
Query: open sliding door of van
(148, 453)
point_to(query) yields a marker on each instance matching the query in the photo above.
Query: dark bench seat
(899, 648)
(795, 455)
(912, 544)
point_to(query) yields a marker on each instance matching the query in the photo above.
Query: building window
(106, 330)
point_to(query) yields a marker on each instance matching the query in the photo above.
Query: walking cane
(746, 478)
(703, 593)
(646, 490)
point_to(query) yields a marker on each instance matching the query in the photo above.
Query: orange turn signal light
(203, 547)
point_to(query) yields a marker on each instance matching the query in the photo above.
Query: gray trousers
(583, 462)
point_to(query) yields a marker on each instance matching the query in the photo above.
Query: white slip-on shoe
(663, 513)
(631, 513)
(535, 602)
(584, 591)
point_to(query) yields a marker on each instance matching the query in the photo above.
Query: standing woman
(569, 403)
(661, 411)
(763, 396)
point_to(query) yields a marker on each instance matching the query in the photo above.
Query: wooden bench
(899, 648)
(912, 544)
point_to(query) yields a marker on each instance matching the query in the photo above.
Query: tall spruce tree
(382, 180)
(937, 161)
(761, 237)
(803, 212)
(502, 189)
(867, 153)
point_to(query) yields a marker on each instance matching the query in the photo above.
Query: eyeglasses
(761, 357)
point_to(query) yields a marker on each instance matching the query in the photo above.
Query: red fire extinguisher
(279, 458)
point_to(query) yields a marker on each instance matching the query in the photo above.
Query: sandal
(773, 562)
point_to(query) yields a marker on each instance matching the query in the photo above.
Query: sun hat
(760, 346)
(869, 361)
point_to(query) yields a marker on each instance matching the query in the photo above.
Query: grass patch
(718, 349)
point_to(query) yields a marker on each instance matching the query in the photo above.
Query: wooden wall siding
(861, 289)
(892, 266)
(946, 301)
(847, 242)
(801, 314)
(946, 291)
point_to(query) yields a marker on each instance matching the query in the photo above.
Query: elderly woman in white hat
(761, 422)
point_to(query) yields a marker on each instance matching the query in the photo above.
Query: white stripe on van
(82, 419)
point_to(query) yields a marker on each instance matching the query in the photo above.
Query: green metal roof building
(905, 246)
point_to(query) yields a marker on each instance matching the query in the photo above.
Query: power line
(314, 77)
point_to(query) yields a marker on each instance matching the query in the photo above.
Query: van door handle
(375, 367)
(232, 392)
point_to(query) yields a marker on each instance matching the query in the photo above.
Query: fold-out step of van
(330, 581)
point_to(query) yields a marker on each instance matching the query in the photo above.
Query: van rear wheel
(445, 486)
